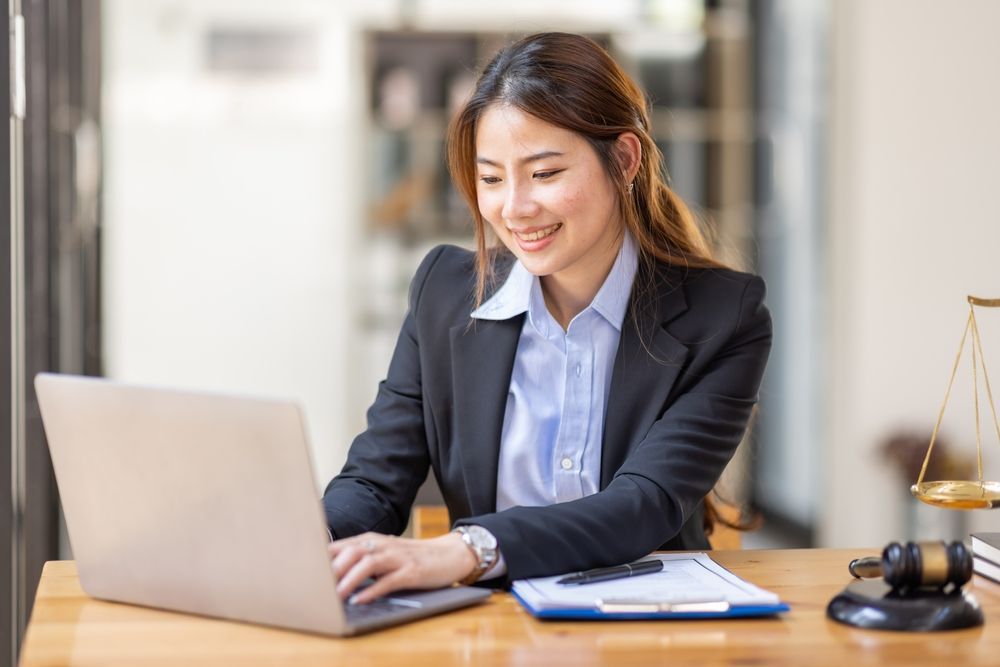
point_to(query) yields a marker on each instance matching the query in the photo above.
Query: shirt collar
(612, 299)
(522, 291)
(511, 299)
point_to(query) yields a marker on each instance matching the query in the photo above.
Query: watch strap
(485, 558)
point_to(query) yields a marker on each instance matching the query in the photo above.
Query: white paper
(685, 578)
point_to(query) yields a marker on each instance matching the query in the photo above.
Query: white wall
(913, 229)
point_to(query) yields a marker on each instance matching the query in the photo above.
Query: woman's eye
(542, 175)
(489, 180)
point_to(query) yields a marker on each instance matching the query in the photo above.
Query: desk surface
(68, 628)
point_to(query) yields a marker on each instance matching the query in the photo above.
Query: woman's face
(548, 198)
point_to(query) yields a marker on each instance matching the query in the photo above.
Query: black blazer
(690, 360)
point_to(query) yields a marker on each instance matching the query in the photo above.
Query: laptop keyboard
(378, 609)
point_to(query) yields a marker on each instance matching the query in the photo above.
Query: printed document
(686, 579)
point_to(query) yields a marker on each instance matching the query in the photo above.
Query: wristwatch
(483, 545)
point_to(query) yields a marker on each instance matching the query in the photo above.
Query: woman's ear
(629, 150)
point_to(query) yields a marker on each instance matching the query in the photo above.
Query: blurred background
(233, 195)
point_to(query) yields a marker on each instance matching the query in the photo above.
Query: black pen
(616, 572)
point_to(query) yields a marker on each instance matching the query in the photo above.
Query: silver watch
(483, 545)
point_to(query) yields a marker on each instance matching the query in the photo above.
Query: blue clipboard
(690, 586)
(681, 613)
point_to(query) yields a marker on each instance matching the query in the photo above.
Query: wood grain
(68, 628)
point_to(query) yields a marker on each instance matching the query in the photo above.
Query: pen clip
(640, 606)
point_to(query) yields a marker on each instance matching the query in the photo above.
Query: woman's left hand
(398, 563)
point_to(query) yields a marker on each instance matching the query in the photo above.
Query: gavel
(918, 565)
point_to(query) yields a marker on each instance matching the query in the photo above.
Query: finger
(353, 576)
(337, 546)
(348, 558)
(393, 581)
(346, 552)
(370, 566)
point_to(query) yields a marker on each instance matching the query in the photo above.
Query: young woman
(576, 388)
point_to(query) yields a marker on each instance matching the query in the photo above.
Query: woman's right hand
(397, 563)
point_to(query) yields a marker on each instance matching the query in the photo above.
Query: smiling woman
(578, 387)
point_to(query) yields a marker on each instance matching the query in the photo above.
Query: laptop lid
(202, 503)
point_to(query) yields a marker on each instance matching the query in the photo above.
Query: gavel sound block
(918, 589)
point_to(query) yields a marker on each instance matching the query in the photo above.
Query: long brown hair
(571, 82)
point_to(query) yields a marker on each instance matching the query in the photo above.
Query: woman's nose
(519, 203)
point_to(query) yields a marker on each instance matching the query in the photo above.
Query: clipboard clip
(653, 606)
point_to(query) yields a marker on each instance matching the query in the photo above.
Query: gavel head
(926, 565)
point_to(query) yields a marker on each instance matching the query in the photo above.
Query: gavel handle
(866, 568)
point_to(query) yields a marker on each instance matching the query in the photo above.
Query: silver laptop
(203, 503)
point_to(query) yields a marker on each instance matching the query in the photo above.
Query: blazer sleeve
(388, 462)
(663, 479)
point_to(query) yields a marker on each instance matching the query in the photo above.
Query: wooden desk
(68, 628)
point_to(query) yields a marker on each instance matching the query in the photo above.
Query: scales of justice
(919, 586)
(964, 494)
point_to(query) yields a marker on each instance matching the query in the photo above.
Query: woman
(579, 387)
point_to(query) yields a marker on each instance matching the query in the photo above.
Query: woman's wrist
(483, 545)
(463, 559)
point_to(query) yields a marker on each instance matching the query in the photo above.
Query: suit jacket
(689, 362)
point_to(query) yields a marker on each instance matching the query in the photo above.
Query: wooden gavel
(918, 565)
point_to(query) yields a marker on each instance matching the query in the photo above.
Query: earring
(631, 186)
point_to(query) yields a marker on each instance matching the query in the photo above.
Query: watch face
(481, 538)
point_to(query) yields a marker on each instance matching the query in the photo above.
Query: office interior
(232, 196)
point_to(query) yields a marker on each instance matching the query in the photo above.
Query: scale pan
(959, 495)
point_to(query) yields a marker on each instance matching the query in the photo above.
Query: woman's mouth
(538, 234)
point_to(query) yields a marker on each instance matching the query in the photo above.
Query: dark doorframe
(7, 617)
(56, 303)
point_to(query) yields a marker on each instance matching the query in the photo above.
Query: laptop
(203, 503)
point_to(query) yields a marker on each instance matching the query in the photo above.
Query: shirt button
(579, 370)
(567, 464)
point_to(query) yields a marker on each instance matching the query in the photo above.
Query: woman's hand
(398, 563)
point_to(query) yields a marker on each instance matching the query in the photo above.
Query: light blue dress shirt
(550, 446)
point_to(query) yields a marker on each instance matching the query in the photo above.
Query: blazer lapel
(483, 360)
(646, 366)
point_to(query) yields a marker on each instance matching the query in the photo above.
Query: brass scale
(964, 494)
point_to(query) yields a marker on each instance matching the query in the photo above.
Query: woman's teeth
(539, 234)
